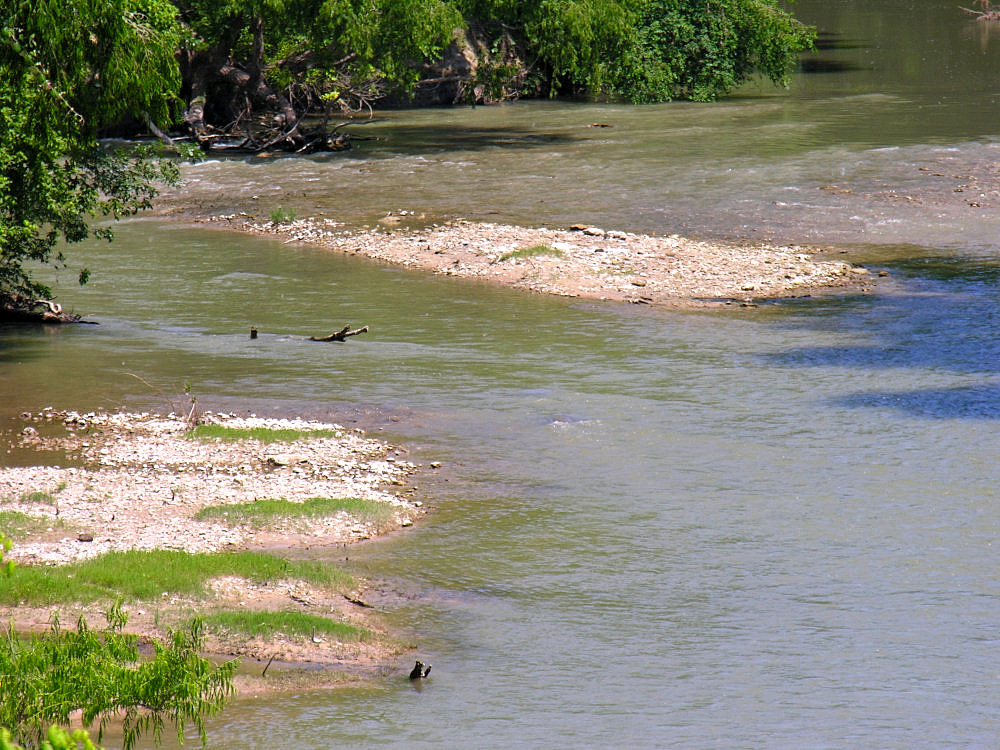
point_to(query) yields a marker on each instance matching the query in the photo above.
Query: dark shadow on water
(437, 138)
(825, 65)
(27, 341)
(938, 312)
(963, 271)
(371, 140)
(928, 332)
(823, 60)
(831, 40)
(940, 315)
(972, 402)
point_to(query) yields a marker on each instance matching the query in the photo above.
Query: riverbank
(146, 482)
(581, 261)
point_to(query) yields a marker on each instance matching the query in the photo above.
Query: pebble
(593, 262)
(142, 482)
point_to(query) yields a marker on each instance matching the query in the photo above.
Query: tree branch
(341, 335)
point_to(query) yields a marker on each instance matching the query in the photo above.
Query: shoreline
(131, 481)
(135, 481)
(581, 261)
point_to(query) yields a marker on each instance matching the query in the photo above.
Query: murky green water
(770, 528)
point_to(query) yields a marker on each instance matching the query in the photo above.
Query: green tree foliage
(245, 57)
(648, 50)
(56, 738)
(567, 46)
(253, 68)
(100, 674)
(69, 68)
(45, 679)
(702, 49)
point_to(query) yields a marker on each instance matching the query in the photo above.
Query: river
(755, 528)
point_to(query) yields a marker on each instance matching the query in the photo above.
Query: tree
(101, 675)
(646, 50)
(703, 49)
(67, 70)
(56, 738)
(253, 67)
(249, 71)
(45, 679)
(578, 46)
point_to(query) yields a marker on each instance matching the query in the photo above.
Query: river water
(760, 528)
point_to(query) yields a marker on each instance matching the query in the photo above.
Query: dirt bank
(136, 481)
(588, 262)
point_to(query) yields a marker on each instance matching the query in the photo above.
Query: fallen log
(340, 335)
(19, 310)
(989, 12)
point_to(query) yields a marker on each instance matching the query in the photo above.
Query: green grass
(146, 575)
(38, 497)
(268, 511)
(41, 497)
(210, 432)
(266, 624)
(528, 252)
(281, 215)
(17, 525)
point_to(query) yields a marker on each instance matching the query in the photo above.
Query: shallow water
(770, 527)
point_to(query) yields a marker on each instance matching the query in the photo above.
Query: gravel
(139, 482)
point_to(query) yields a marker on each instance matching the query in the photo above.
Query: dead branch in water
(341, 335)
(989, 12)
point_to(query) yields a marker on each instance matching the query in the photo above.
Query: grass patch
(38, 497)
(41, 497)
(528, 252)
(269, 511)
(17, 525)
(281, 215)
(267, 624)
(147, 575)
(210, 432)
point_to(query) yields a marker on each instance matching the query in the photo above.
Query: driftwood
(55, 309)
(340, 335)
(989, 12)
(21, 310)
